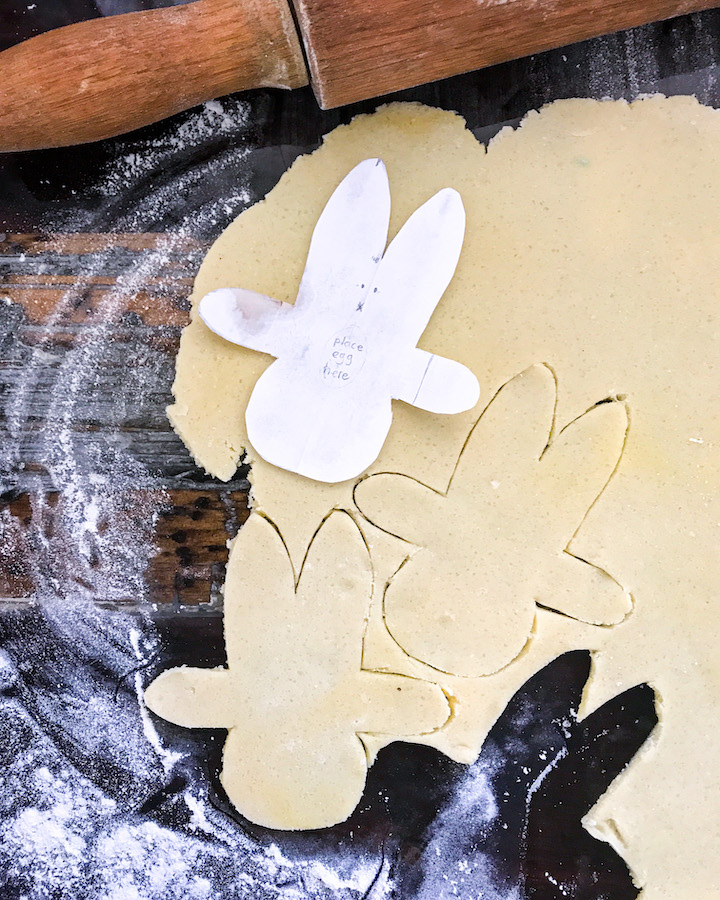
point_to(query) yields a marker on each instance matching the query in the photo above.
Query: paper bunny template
(348, 346)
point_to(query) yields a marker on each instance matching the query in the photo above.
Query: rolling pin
(103, 77)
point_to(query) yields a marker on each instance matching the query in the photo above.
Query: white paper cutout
(348, 345)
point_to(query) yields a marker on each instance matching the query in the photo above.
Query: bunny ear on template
(348, 240)
(413, 275)
(420, 262)
(345, 250)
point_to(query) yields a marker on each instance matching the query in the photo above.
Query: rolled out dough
(592, 245)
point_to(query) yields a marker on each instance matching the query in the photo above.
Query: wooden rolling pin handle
(103, 77)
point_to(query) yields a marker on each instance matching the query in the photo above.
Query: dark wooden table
(113, 543)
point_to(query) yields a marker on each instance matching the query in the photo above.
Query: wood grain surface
(49, 301)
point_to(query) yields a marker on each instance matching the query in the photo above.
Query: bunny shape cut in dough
(294, 697)
(495, 544)
(348, 345)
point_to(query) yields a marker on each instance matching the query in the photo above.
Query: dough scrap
(592, 243)
(294, 696)
(495, 543)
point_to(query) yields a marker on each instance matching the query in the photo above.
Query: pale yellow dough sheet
(592, 246)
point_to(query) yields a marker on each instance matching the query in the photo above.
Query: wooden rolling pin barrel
(103, 77)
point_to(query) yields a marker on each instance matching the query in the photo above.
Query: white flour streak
(353, 877)
(199, 820)
(359, 881)
(561, 754)
(454, 865)
(167, 757)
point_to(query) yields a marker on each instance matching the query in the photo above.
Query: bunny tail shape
(496, 542)
(294, 697)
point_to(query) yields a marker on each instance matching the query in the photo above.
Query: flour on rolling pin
(348, 346)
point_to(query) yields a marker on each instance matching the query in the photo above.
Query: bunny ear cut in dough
(496, 543)
(294, 697)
